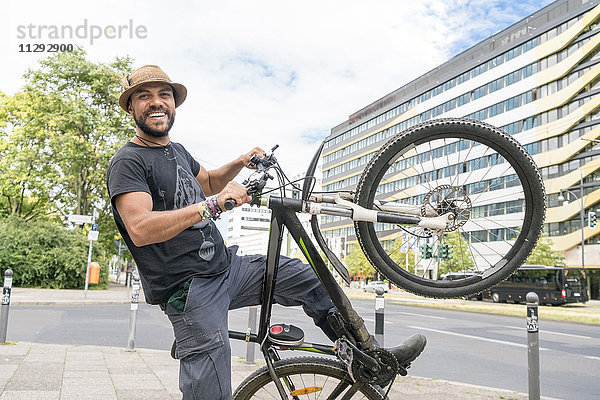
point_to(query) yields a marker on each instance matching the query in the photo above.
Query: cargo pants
(201, 329)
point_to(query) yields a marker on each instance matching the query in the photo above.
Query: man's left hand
(246, 157)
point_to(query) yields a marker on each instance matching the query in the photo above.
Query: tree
(357, 263)
(461, 260)
(543, 254)
(59, 133)
(400, 257)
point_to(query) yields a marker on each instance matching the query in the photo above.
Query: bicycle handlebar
(255, 186)
(230, 204)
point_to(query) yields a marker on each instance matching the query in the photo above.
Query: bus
(553, 285)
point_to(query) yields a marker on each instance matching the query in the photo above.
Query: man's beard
(141, 122)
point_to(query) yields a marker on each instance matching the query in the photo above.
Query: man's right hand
(235, 191)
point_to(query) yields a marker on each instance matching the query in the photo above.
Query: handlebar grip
(229, 204)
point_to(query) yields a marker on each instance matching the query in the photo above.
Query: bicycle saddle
(286, 335)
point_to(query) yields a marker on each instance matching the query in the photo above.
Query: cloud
(272, 72)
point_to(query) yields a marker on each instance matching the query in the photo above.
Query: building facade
(539, 81)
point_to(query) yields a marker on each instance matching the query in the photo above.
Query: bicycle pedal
(286, 335)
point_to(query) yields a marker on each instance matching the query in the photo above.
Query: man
(159, 198)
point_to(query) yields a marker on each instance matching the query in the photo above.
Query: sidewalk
(116, 294)
(32, 371)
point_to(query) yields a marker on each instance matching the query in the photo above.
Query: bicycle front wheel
(306, 378)
(476, 172)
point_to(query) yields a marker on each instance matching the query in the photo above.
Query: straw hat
(147, 74)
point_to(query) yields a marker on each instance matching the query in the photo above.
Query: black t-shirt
(168, 174)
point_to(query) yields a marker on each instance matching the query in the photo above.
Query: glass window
(494, 110)
(478, 70)
(494, 62)
(509, 55)
(477, 93)
(462, 78)
(461, 100)
(511, 78)
(494, 85)
(450, 84)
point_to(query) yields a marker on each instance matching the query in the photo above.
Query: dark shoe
(409, 350)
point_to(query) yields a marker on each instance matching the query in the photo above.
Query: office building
(538, 80)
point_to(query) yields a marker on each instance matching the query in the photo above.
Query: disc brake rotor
(448, 199)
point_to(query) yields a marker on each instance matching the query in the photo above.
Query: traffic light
(591, 220)
(445, 251)
(426, 251)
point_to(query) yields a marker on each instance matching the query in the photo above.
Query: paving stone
(30, 395)
(88, 396)
(88, 388)
(19, 348)
(136, 381)
(95, 365)
(37, 376)
(76, 374)
(144, 395)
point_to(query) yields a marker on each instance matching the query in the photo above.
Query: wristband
(214, 207)
(204, 211)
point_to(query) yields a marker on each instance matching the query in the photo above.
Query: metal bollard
(135, 299)
(250, 347)
(533, 346)
(5, 305)
(379, 319)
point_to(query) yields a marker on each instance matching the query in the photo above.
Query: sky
(261, 73)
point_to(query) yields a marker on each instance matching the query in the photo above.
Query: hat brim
(179, 93)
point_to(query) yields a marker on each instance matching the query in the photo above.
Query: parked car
(373, 285)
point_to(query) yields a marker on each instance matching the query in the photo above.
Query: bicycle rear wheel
(478, 173)
(305, 378)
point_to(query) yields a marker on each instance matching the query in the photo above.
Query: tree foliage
(543, 254)
(398, 254)
(56, 138)
(357, 263)
(45, 254)
(461, 260)
(59, 133)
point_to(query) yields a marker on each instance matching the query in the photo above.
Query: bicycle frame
(351, 325)
(283, 215)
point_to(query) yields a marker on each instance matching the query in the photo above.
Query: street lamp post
(581, 215)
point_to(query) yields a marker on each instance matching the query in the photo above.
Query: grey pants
(201, 330)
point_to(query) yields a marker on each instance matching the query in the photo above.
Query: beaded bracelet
(205, 211)
(214, 206)
(209, 209)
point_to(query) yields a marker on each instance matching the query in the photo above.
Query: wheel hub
(448, 199)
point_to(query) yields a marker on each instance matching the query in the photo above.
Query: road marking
(472, 337)
(592, 357)
(372, 320)
(552, 332)
(417, 315)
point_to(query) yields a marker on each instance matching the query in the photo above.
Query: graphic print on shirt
(188, 191)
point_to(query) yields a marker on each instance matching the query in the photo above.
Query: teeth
(156, 114)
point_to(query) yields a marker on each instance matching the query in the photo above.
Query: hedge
(46, 254)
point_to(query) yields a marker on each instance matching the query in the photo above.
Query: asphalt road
(480, 349)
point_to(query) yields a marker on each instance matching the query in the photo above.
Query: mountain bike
(465, 194)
